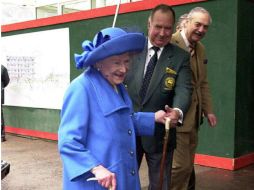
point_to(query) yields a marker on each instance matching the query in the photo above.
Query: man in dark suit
(4, 82)
(170, 85)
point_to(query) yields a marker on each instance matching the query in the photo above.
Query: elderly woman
(98, 127)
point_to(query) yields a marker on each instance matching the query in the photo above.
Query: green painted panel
(221, 52)
(30, 118)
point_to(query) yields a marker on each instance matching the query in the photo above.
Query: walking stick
(164, 154)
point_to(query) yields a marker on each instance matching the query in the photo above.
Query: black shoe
(3, 139)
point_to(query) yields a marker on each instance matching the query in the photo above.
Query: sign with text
(38, 64)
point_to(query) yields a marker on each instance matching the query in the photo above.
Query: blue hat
(109, 42)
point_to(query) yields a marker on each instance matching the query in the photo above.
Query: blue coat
(98, 126)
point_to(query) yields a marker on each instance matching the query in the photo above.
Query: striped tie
(192, 50)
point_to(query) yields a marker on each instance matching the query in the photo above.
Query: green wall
(45, 120)
(229, 45)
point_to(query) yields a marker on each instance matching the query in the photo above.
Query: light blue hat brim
(119, 42)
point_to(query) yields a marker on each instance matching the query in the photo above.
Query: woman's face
(115, 68)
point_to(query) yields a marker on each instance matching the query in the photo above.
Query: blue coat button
(133, 172)
(132, 153)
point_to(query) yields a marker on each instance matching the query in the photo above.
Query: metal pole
(116, 13)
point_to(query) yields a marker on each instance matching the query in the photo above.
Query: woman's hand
(105, 178)
(160, 116)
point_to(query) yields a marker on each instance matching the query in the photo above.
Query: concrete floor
(35, 165)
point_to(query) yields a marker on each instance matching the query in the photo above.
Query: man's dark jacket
(169, 85)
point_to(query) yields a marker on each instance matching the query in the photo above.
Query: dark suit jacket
(170, 85)
(4, 81)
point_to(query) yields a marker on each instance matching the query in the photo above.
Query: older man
(196, 26)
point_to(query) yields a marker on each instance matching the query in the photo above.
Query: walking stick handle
(167, 123)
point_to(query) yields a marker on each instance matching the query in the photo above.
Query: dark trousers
(153, 162)
(2, 124)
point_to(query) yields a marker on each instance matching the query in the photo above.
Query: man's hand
(212, 120)
(173, 114)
